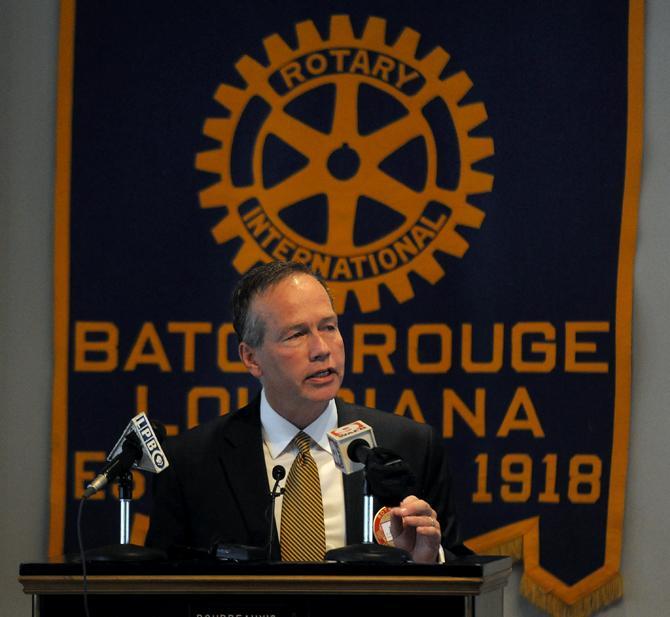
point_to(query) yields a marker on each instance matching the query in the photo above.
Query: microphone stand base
(367, 552)
(125, 552)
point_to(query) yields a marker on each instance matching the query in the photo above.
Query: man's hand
(415, 528)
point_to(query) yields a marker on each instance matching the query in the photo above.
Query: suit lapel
(353, 484)
(243, 465)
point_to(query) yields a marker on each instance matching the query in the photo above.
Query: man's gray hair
(249, 327)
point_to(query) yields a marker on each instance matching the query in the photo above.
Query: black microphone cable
(82, 555)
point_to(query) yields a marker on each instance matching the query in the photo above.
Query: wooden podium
(469, 587)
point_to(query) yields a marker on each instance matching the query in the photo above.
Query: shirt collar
(278, 432)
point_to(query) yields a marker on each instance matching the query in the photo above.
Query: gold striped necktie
(303, 537)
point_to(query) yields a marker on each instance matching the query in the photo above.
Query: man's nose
(319, 349)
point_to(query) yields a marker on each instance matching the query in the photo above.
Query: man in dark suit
(217, 486)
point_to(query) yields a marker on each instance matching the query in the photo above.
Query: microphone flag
(153, 458)
(341, 437)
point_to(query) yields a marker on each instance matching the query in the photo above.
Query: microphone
(278, 473)
(386, 477)
(350, 439)
(354, 448)
(359, 451)
(226, 551)
(138, 447)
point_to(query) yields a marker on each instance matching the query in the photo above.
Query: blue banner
(465, 176)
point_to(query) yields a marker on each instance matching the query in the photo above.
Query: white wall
(28, 53)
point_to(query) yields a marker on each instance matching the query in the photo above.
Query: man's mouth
(320, 374)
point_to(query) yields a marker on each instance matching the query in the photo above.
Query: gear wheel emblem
(364, 191)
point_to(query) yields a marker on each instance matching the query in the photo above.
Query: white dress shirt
(278, 433)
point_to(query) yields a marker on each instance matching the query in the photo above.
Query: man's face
(301, 360)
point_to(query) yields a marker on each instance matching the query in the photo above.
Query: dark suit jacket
(216, 487)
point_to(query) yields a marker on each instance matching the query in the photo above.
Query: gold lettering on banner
(96, 346)
(198, 394)
(148, 349)
(491, 366)
(408, 403)
(419, 349)
(575, 347)
(474, 419)
(513, 474)
(512, 420)
(545, 348)
(441, 333)
(83, 474)
(382, 350)
(348, 60)
(190, 329)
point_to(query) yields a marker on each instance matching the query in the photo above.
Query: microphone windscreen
(278, 472)
(339, 439)
(389, 477)
(358, 450)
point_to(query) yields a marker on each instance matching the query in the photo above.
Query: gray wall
(28, 53)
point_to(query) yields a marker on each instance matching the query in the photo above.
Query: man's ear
(248, 357)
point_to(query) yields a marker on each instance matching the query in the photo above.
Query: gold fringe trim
(586, 606)
(511, 548)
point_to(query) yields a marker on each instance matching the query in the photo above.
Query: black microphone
(226, 551)
(387, 478)
(278, 473)
(359, 451)
(141, 440)
(354, 447)
(353, 434)
(131, 452)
